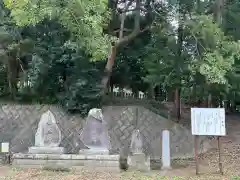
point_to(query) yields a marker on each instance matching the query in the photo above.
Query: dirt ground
(33, 174)
(208, 170)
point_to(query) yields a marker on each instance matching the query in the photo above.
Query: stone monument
(166, 156)
(137, 160)
(48, 136)
(47, 153)
(95, 134)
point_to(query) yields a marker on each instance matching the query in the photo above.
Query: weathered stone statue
(95, 134)
(136, 143)
(137, 160)
(47, 154)
(48, 133)
(48, 136)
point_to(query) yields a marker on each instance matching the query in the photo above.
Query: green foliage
(129, 69)
(214, 52)
(84, 19)
(3, 80)
(231, 19)
(68, 35)
(59, 73)
(82, 88)
(159, 53)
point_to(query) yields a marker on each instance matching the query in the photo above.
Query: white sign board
(5, 147)
(208, 121)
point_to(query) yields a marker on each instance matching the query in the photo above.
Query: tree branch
(136, 31)
(127, 5)
(131, 36)
(137, 16)
(123, 17)
(124, 30)
(131, 10)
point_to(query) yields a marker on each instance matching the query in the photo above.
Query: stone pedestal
(138, 161)
(48, 136)
(47, 153)
(46, 150)
(94, 151)
(108, 163)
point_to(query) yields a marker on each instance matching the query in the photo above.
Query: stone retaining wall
(18, 124)
(123, 120)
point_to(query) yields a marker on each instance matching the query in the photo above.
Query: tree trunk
(209, 101)
(111, 89)
(135, 93)
(108, 69)
(177, 104)
(226, 106)
(151, 92)
(179, 64)
(198, 8)
(233, 106)
(158, 93)
(170, 95)
(218, 8)
(122, 39)
(215, 102)
(194, 93)
(13, 71)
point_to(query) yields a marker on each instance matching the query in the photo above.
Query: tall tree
(12, 48)
(87, 28)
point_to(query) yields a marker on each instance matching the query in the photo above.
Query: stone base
(139, 162)
(45, 150)
(94, 151)
(109, 163)
(166, 168)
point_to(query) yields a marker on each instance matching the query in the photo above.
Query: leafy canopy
(84, 19)
(214, 53)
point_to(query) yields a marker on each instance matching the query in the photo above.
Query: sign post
(6, 151)
(5, 147)
(196, 153)
(208, 122)
(220, 155)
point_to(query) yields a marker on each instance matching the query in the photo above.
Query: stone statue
(48, 133)
(95, 134)
(136, 142)
(137, 160)
(48, 136)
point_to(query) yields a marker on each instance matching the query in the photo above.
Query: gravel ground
(208, 169)
(13, 174)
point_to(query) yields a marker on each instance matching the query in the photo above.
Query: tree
(59, 72)
(12, 48)
(86, 22)
(197, 58)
